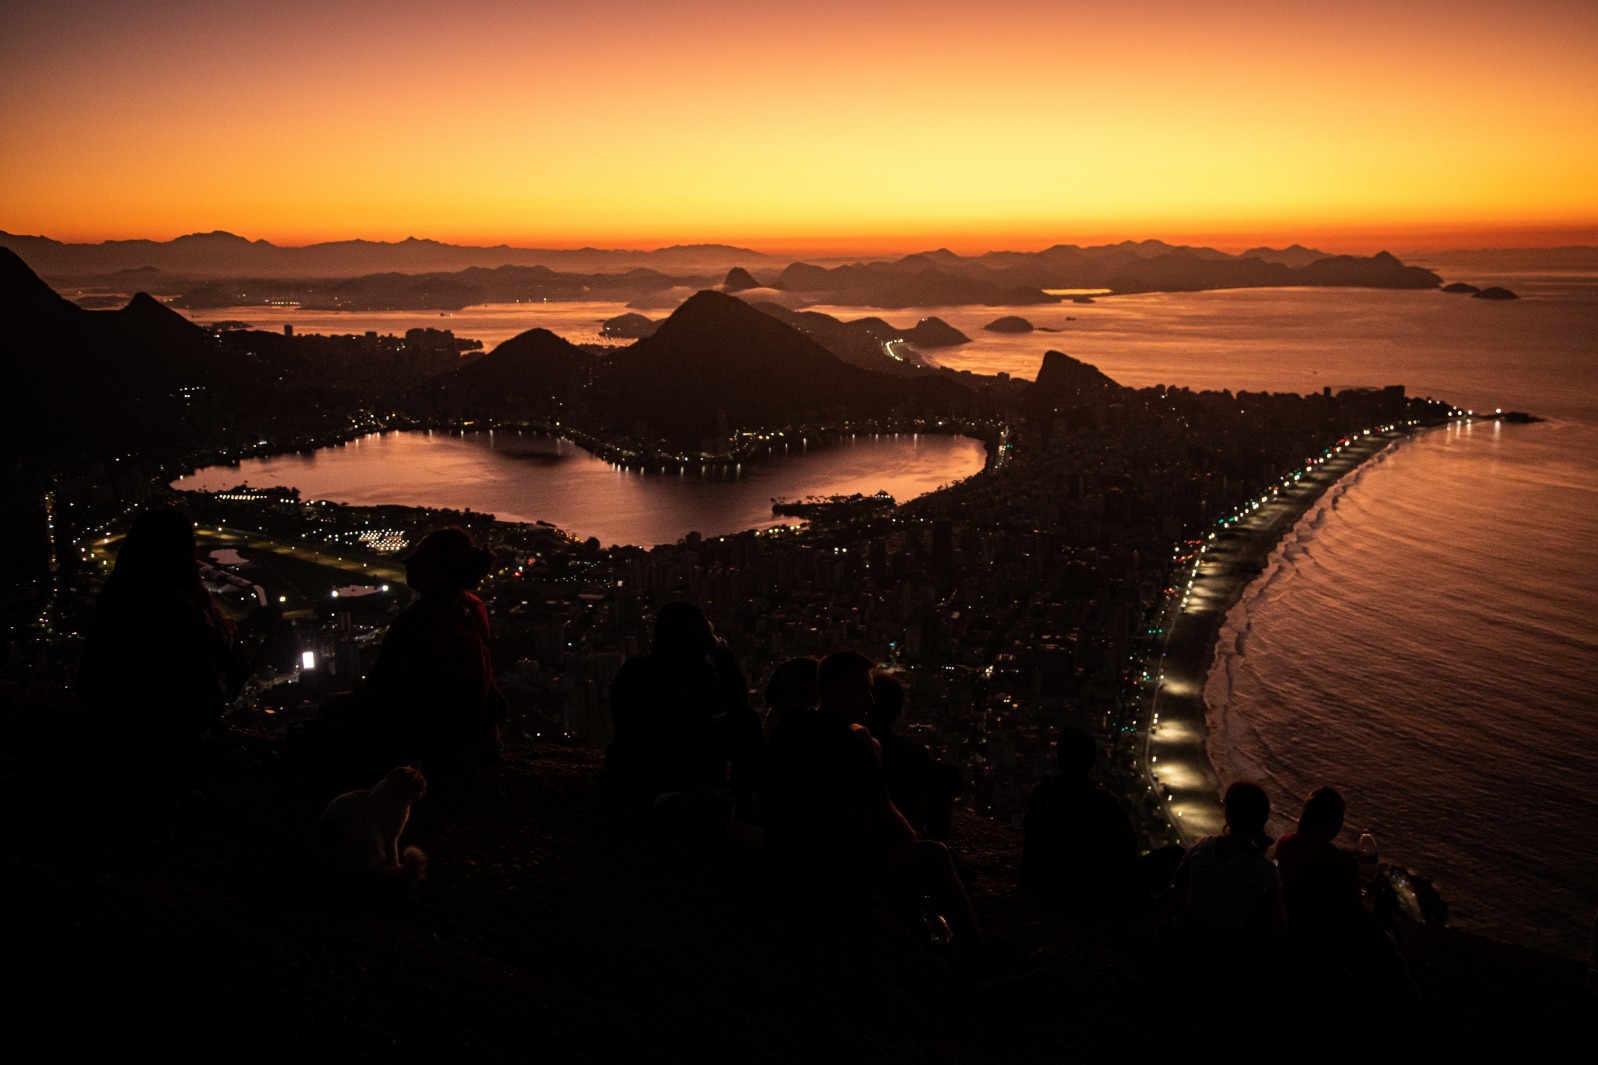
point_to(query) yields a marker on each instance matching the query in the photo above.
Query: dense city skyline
(804, 130)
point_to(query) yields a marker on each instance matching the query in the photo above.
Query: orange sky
(874, 124)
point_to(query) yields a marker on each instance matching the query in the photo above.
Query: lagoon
(529, 476)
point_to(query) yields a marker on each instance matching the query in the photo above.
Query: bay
(1425, 639)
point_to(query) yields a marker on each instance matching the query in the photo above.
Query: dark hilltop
(548, 929)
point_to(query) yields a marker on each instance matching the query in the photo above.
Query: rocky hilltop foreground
(551, 931)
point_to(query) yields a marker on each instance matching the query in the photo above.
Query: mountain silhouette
(223, 254)
(717, 364)
(739, 280)
(1294, 255)
(76, 379)
(1061, 376)
(532, 373)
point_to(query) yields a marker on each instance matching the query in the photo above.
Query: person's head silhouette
(887, 702)
(447, 561)
(844, 683)
(1075, 751)
(1323, 815)
(1247, 810)
(682, 631)
(158, 551)
(792, 686)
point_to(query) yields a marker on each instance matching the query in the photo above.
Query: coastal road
(1176, 744)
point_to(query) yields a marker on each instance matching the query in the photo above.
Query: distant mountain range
(222, 254)
(221, 269)
(1020, 278)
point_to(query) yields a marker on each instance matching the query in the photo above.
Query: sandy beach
(1176, 762)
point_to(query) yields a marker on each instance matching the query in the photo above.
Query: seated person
(1079, 845)
(922, 788)
(1320, 881)
(1232, 917)
(683, 723)
(161, 662)
(1335, 942)
(792, 688)
(431, 699)
(829, 819)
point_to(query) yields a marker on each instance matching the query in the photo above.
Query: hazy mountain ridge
(222, 254)
(221, 269)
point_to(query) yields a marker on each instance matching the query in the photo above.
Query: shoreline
(1209, 581)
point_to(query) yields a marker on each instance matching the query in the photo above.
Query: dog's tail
(413, 865)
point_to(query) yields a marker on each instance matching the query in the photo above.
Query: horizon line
(1512, 238)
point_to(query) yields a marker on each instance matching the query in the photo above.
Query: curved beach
(1214, 578)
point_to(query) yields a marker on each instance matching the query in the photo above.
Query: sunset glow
(821, 126)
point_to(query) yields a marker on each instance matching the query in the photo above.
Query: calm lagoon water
(531, 477)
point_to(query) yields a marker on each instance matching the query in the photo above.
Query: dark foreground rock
(1494, 292)
(552, 930)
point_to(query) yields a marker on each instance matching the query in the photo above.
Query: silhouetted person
(1079, 845)
(684, 729)
(161, 663)
(1232, 914)
(431, 695)
(1335, 942)
(1320, 881)
(829, 820)
(923, 788)
(792, 688)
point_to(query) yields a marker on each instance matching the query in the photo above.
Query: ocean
(1426, 639)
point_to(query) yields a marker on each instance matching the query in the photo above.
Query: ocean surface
(1426, 639)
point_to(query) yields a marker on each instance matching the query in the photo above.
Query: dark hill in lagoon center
(719, 364)
(628, 327)
(528, 375)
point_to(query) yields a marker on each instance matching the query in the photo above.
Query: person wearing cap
(432, 689)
